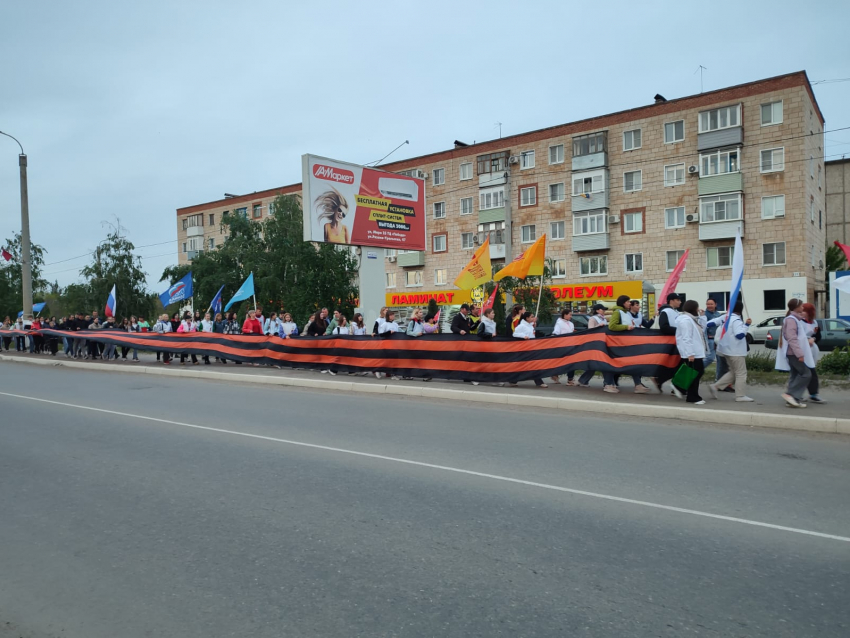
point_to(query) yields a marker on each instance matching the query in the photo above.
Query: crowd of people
(700, 340)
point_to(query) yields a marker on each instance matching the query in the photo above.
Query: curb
(726, 417)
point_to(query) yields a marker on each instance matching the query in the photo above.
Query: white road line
(446, 468)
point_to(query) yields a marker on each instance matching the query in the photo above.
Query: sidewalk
(768, 409)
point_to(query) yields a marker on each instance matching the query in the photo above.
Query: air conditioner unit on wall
(391, 259)
(613, 219)
(693, 169)
(690, 219)
(514, 159)
(476, 239)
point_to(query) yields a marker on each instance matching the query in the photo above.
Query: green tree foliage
(11, 287)
(433, 308)
(526, 292)
(289, 274)
(835, 259)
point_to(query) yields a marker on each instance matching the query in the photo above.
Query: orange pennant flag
(478, 271)
(528, 263)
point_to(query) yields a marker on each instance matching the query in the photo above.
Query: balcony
(595, 241)
(411, 259)
(709, 231)
(733, 136)
(726, 183)
(589, 201)
(491, 215)
(195, 231)
(193, 254)
(497, 251)
(594, 160)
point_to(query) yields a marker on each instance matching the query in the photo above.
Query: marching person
(733, 348)
(219, 324)
(598, 320)
(430, 327)
(206, 326)
(271, 326)
(622, 320)
(342, 327)
(376, 329)
(162, 327)
(317, 326)
(134, 326)
(358, 326)
(795, 354)
(690, 341)
(487, 324)
(188, 325)
(231, 327)
(109, 348)
(811, 326)
(525, 330)
(461, 323)
(287, 327)
(668, 316)
(415, 326)
(564, 326)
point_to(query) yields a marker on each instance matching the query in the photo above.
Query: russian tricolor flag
(110, 304)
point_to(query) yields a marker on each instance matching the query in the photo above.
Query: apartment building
(620, 198)
(837, 211)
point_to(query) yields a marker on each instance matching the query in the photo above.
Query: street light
(26, 256)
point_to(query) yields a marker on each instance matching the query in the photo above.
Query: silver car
(758, 332)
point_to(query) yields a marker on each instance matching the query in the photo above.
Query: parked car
(758, 332)
(835, 333)
(544, 329)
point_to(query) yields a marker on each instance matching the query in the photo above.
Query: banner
(444, 356)
(180, 291)
(351, 204)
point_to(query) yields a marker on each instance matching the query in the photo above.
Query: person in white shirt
(733, 347)
(525, 330)
(690, 341)
(564, 326)
(271, 326)
(487, 324)
(206, 325)
(287, 327)
(389, 326)
(358, 326)
(163, 326)
(376, 329)
(598, 320)
(188, 325)
(342, 326)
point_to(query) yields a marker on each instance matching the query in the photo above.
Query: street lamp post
(26, 255)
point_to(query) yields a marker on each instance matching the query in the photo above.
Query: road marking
(445, 468)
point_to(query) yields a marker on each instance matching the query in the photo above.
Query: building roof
(739, 91)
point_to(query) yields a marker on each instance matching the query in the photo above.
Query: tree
(11, 286)
(525, 292)
(835, 259)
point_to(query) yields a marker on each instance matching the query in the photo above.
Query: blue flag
(178, 292)
(215, 306)
(245, 291)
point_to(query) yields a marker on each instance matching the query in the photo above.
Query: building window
(812, 209)
(773, 207)
(813, 256)
(193, 220)
(528, 196)
(556, 154)
(556, 192)
(674, 174)
(257, 211)
(773, 254)
(588, 183)
(721, 208)
(559, 268)
(590, 144)
(242, 212)
(389, 252)
(211, 243)
(773, 160)
(466, 205)
(820, 219)
(184, 246)
(633, 222)
(491, 199)
(466, 241)
(674, 131)
(526, 160)
(558, 230)
(589, 223)
(631, 140)
(439, 243)
(529, 233)
(414, 278)
(634, 262)
(774, 299)
(632, 181)
(212, 219)
(391, 280)
(589, 266)
(771, 113)
(271, 209)
(439, 176)
(439, 210)
(812, 166)
(492, 162)
(440, 276)
(719, 257)
(673, 257)
(465, 171)
(717, 119)
(674, 217)
(719, 163)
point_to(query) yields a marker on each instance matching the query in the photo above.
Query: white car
(758, 332)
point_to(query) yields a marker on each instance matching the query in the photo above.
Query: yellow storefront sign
(421, 298)
(597, 292)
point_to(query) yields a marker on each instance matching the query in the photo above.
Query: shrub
(836, 362)
(762, 361)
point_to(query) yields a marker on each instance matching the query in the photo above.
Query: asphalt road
(115, 525)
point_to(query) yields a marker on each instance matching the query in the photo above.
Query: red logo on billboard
(333, 174)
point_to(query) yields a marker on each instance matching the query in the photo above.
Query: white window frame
(441, 172)
(679, 254)
(463, 243)
(705, 162)
(819, 175)
(471, 205)
(532, 233)
(407, 275)
(563, 193)
(773, 199)
(596, 222)
(626, 262)
(561, 233)
(633, 147)
(559, 272)
(211, 243)
(773, 162)
(734, 108)
(445, 274)
(632, 215)
(714, 200)
(675, 168)
(597, 182)
(640, 177)
(774, 244)
(522, 201)
(667, 226)
(460, 171)
(526, 160)
(812, 166)
(716, 249)
(185, 244)
(812, 209)
(491, 198)
(600, 259)
(674, 141)
(391, 276)
(557, 161)
(772, 106)
(445, 243)
(439, 206)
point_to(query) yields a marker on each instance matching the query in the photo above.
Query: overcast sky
(136, 109)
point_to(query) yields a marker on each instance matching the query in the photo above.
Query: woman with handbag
(690, 340)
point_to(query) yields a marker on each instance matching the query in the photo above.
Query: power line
(835, 81)
(62, 261)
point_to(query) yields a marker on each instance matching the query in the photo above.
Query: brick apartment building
(620, 197)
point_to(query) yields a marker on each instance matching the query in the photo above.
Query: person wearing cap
(598, 320)
(668, 315)
(462, 325)
(622, 321)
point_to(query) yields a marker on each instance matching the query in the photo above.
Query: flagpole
(539, 295)
(255, 302)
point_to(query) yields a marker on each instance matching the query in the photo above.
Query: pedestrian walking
(690, 341)
(207, 325)
(525, 330)
(596, 321)
(287, 327)
(414, 326)
(188, 326)
(564, 326)
(813, 332)
(795, 354)
(668, 317)
(732, 347)
(358, 326)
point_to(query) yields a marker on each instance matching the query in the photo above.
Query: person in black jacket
(667, 315)
(462, 324)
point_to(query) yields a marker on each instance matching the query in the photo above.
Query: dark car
(835, 333)
(544, 329)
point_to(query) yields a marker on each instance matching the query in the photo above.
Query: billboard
(350, 204)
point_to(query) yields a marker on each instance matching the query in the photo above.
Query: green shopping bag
(685, 376)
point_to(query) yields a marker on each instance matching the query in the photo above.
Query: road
(302, 513)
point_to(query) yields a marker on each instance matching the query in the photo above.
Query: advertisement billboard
(351, 204)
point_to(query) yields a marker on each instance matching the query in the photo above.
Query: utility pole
(26, 251)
